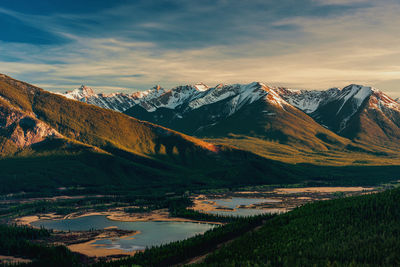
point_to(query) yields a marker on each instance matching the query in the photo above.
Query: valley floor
(279, 200)
(360, 155)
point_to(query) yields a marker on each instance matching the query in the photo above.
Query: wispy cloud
(303, 44)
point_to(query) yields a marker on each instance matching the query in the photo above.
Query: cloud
(341, 2)
(303, 44)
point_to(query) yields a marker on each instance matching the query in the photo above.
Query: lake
(151, 233)
(235, 202)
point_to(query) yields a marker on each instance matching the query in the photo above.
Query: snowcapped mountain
(190, 96)
(183, 100)
(115, 101)
(215, 111)
(252, 109)
(332, 108)
(356, 112)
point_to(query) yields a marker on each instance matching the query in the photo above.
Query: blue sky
(133, 45)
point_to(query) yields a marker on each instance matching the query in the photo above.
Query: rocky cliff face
(20, 130)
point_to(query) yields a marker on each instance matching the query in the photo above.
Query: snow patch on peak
(86, 90)
(80, 92)
(154, 92)
(201, 87)
(379, 100)
(274, 97)
(362, 94)
(357, 92)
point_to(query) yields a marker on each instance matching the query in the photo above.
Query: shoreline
(90, 249)
(155, 216)
(288, 199)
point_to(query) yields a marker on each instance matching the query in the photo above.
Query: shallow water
(245, 212)
(151, 233)
(235, 202)
(238, 201)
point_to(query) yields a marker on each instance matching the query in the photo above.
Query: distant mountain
(326, 119)
(115, 101)
(150, 100)
(356, 112)
(253, 109)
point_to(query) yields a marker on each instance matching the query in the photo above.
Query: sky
(123, 45)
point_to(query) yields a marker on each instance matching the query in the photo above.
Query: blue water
(244, 212)
(238, 201)
(151, 233)
(235, 202)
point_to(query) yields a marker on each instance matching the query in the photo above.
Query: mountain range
(353, 118)
(233, 135)
(48, 141)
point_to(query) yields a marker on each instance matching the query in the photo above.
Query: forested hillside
(355, 231)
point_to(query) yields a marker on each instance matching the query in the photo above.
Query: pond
(235, 202)
(152, 233)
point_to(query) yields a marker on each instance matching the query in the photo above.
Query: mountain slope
(75, 145)
(335, 122)
(252, 110)
(19, 130)
(362, 114)
(115, 101)
(143, 155)
(352, 231)
(357, 112)
(96, 126)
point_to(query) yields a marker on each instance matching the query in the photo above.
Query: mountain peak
(86, 90)
(79, 93)
(201, 87)
(158, 88)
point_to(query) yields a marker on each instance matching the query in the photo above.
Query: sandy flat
(321, 189)
(27, 220)
(91, 250)
(97, 250)
(248, 192)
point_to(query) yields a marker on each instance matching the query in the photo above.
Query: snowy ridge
(352, 96)
(342, 104)
(310, 101)
(307, 101)
(357, 93)
(189, 96)
(243, 94)
(80, 93)
(381, 101)
(172, 98)
(116, 101)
